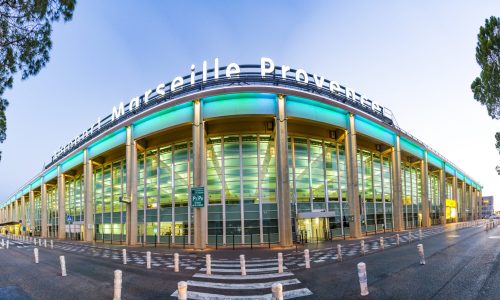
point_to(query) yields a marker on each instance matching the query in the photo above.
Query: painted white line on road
(258, 270)
(494, 237)
(249, 264)
(240, 286)
(206, 296)
(241, 277)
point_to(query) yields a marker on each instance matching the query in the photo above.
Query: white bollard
(36, 255)
(306, 258)
(40, 242)
(51, 244)
(420, 234)
(381, 243)
(280, 262)
(63, 265)
(176, 262)
(362, 247)
(182, 288)
(409, 236)
(45, 243)
(277, 291)
(397, 240)
(3, 243)
(242, 265)
(208, 262)
(148, 260)
(339, 252)
(7, 246)
(124, 254)
(118, 285)
(363, 280)
(420, 249)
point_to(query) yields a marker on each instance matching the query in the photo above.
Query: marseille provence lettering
(267, 68)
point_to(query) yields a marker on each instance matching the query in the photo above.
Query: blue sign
(69, 218)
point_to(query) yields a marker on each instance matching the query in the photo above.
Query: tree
(25, 30)
(486, 87)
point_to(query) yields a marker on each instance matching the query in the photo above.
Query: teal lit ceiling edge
(182, 113)
(374, 130)
(239, 104)
(110, 141)
(317, 111)
(411, 147)
(72, 161)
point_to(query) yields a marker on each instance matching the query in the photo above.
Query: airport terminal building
(244, 154)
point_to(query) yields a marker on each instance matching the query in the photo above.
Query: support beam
(426, 219)
(61, 218)
(23, 215)
(397, 193)
(480, 201)
(352, 179)
(283, 188)
(43, 209)
(88, 197)
(454, 193)
(442, 193)
(466, 208)
(131, 165)
(199, 154)
(32, 212)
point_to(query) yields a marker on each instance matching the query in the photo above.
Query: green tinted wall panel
(50, 174)
(18, 195)
(411, 147)
(449, 169)
(169, 117)
(434, 160)
(239, 104)
(374, 130)
(73, 161)
(312, 110)
(26, 190)
(108, 142)
(460, 176)
(468, 181)
(36, 183)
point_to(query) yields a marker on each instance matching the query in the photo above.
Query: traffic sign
(198, 196)
(69, 219)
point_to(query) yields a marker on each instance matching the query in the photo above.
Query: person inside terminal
(243, 154)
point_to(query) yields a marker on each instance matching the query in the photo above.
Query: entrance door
(313, 229)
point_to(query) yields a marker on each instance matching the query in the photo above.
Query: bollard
(51, 244)
(277, 291)
(35, 250)
(397, 240)
(409, 237)
(420, 234)
(242, 265)
(339, 252)
(208, 262)
(176, 262)
(3, 243)
(381, 243)
(34, 241)
(63, 265)
(124, 255)
(280, 262)
(118, 285)
(45, 243)
(40, 242)
(363, 280)
(148, 260)
(182, 287)
(306, 258)
(420, 249)
(7, 246)
(362, 247)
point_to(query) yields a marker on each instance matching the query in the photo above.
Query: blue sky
(417, 58)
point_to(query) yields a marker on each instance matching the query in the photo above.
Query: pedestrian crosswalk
(227, 282)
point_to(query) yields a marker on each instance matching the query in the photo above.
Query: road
(462, 264)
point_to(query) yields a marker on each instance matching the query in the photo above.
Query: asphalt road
(463, 264)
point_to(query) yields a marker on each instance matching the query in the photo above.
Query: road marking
(453, 235)
(240, 286)
(258, 270)
(246, 277)
(286, 295)
(494, 237)
(248, 264)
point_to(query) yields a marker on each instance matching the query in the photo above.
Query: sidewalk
(263, 251)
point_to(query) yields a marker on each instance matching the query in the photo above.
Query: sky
(415, 57)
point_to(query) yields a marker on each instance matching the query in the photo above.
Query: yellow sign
(451, 203)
